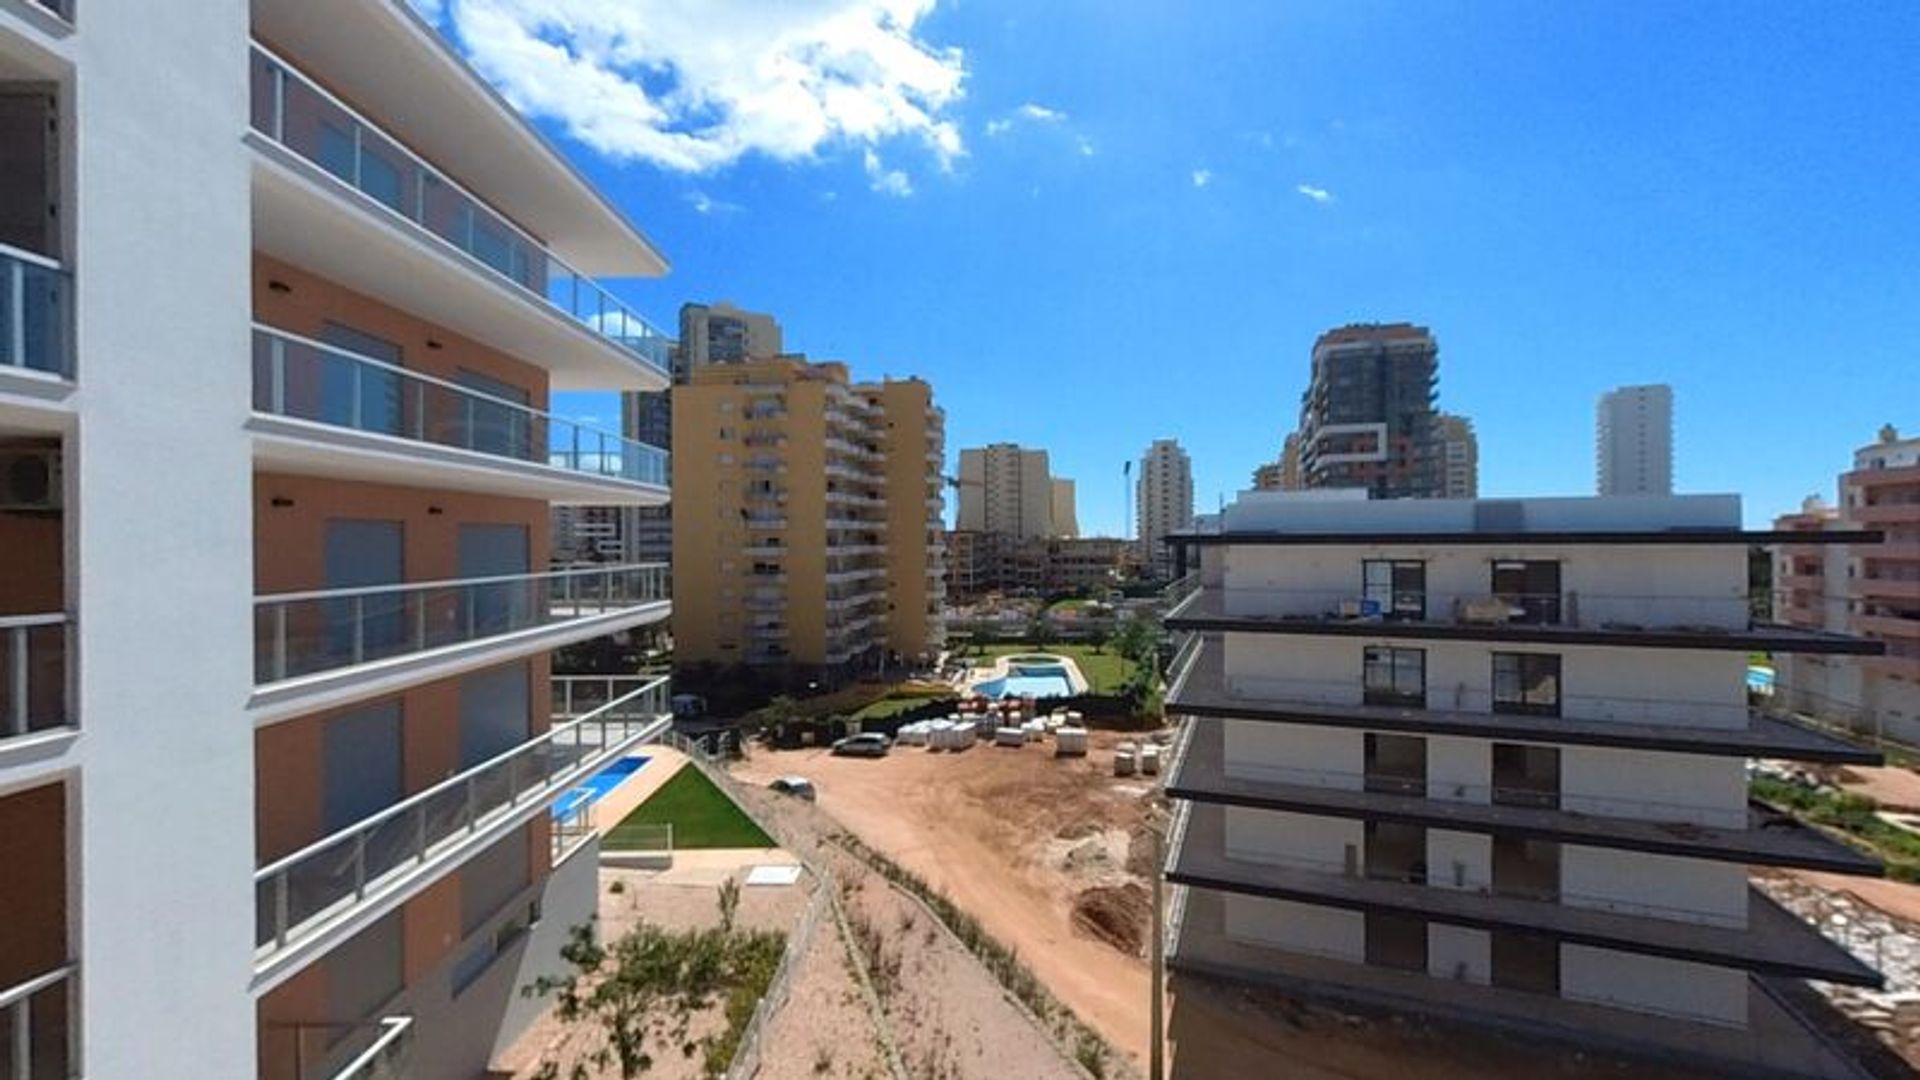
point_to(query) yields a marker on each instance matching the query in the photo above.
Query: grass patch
(900, 702)
(1106, 670)
(1850, 815)
(701, 815)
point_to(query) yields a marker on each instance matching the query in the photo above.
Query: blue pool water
(597, 785)
(1028, 680)
(1760, 679)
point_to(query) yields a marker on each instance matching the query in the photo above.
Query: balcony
(1750, 835)
(36, 330)
(38, 1020)
(1571, 618)
(1890, 588)
(322, 894)
(322, 409)
(33, 676)
(409, 216)
(354, 642)
(1765, 938)
(1890, 626)
(1202, 688)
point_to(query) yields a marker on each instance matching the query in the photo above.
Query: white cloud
(1317, 194)
(1202, 177)
(704, 203)
(884, 180)
(694, 85)
(1085, 146)
(998, 127)
(1040, 113)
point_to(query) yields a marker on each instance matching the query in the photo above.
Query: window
(1526, 683)
(1395, 676)
(1396, 589)
(1531, 588)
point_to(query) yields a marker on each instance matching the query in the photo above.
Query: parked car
(797, 786)
(865, 744)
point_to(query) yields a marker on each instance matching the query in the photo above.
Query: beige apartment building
(1460, 457)
(812, 541)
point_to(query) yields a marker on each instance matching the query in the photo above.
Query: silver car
(865, 744)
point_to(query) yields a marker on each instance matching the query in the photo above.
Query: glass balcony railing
(37, 1020)
(36, 313)
(293, 111)
(309, 380)
(307, 633)
(297, 895)
(33, 674)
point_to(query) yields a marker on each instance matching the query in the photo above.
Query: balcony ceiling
(380, 57)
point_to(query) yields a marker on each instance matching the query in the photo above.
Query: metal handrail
(472, 815)
(36, 984)
(389, 1043)
(16, 632)
(18, 1001)
(447, 583)
(632, 456)
(34, 257)
(610, 310)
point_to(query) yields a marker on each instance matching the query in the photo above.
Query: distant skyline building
(1633, 441)
(1460, 451)
(1066, 518)
(717, 333)
(1010, 490)
(1367, 418)
(1282, 474)
(1164, 492)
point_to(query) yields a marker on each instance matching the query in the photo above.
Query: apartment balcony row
(1763, 938)
(1756, 729)
(315, 646)
(1891, 588)
(1566, 618)
(336, 193)
(323, 409)
(1887, 512)
(853, 498)
(319, 896)
(862, 525)
(1890, 625)
(1750, 835)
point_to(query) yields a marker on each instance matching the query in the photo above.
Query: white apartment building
(1633, 441)
(1486, 759)
(1005, 489)
(288, 289)
(1164, 490)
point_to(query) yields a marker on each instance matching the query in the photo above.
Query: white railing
(296, 113)
(577, 695)
(299, 893)
(38, 1030)
(36, 305)
(386, 1056)
(33, 673)
(304, 379)
(1725, 715)
(1729, 612)
(1442, 791)
(305, 633)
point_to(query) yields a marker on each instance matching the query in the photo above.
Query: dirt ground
(1040, 850)
(1894, 788)
(687, 902)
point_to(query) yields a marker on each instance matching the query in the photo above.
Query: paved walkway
(1892, 787)
(662, 763)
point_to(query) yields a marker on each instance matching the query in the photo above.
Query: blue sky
(1091, 224)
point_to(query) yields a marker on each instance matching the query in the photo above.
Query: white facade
(1294, 795)
(1164, 493)
(141, 631)
(1633, 441)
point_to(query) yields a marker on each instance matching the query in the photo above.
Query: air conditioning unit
(30, 479)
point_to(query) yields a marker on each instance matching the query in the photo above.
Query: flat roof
(1509, 538)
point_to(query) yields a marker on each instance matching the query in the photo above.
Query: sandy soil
(1014, 837)
(626, 896)
(1892, 787)
(824, 1029)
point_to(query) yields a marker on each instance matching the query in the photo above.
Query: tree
(1039, 630)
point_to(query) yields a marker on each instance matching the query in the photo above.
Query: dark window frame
(1517, 692)
(1396, 658)
(1399, 597)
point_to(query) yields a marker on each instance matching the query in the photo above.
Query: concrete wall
(1300, 840)
(1455, 952)
(1295, 754)
(1458, 860)
(1663, 886)
(1654, 786)
(1302, 928)
(161, 564)
(569, 897)
(1652, 984)
(1285, 511)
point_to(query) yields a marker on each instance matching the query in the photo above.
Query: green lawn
(1106, 670)
(701, 815)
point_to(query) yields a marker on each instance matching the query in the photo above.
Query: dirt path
(1892, 787)
(984, 826)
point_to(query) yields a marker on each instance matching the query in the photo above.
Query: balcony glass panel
(300, 634)
(296, 894)
(304, 379)
(293, 111)
(33, 674)
(36, 298)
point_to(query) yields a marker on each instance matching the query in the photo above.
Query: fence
(746, 1060)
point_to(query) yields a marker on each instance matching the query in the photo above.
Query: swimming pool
(1036, 680)
(597, 785)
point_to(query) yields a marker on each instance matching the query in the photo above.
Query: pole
(1156, 1052)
